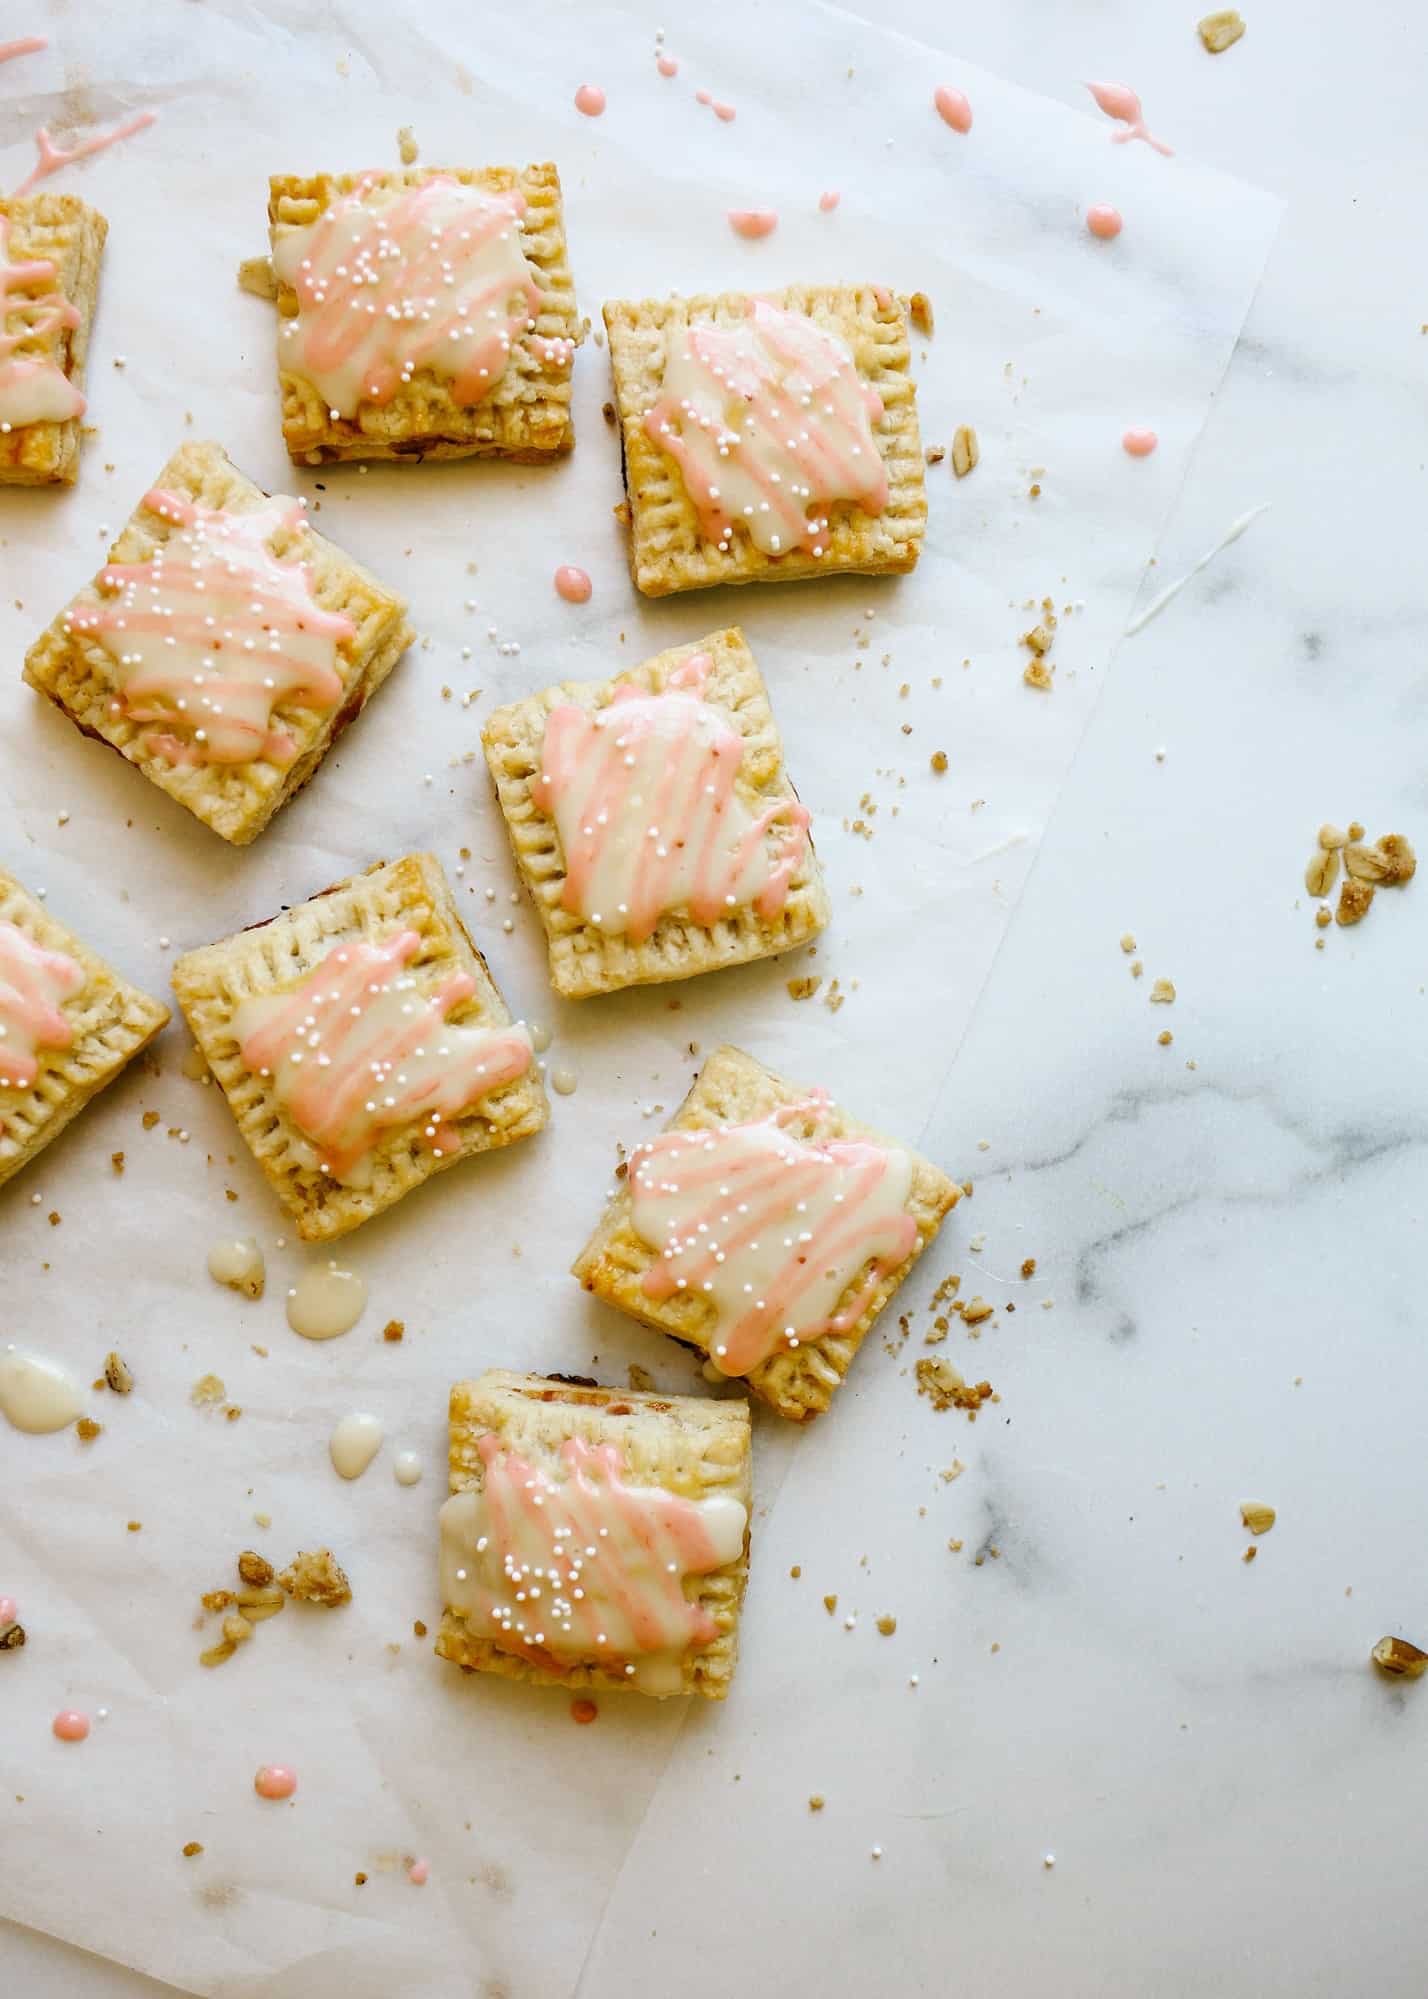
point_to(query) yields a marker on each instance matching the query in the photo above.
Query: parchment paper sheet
(1050, 344)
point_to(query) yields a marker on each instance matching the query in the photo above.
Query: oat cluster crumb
(945, 1388)
(1162, 993)
(1221, 30)
(1400, 1659)
(394, 1330)
(1038, 641)
(1257, 1517)
(1389, 863)
(316, 1578)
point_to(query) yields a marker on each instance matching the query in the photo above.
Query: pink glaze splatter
(1139, 443)
(70, 1725)
(53, 157)
(724, 112)
(1104, 221)
(7, 1610)
(418, 1873)
(828, 202)
(572, 584)
(1119, 101)
(28, 45)
(753, 222)
(275, 1780)
(952, 107)
(590, 99)
(666, 65)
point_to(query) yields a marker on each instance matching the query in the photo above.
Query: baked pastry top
(50, 249)
(653, 821)
(767, 437)
(425, 313)
(594, 1537)
(223, 647)
(68, 1025)
(361, 1043)
(768, 1229)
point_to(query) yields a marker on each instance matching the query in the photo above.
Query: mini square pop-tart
(766, 1228)
(361, 1043)
(595, 1537)
(767, 437)
(653, 821)
(68, 1025)
(223, 647)
(50, 249)
(425, 313)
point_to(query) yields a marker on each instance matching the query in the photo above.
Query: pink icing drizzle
(217, 683)
(572, 584)
(70, 1725)
(8, 1609)
(27, 45)
(787, 374)
(753, 222)
(952, 107)
(1119, 101)
(405, 255)
(418, 1873)
(641, 1533)
(1104, 221)
(33, 983)
(754, 1192)
(275, 1780)
(52, 157)
(666, 65)
(34, 382)
(686, 760)
(340, 1012)
(829, 201)
(1139, 443)
(590, 99)
(725, 112)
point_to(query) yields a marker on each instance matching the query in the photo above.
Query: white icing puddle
(354, 1442)
(326, 1301)
(238, 1262)
(37, 1395)
(406, 1468)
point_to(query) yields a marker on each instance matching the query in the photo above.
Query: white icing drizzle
(1172, 591)
(355, 1441)
(36, 1394)
(326, 1301)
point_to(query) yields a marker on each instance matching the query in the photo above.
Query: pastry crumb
(945, 1388)
(1028, 1266)
(207, 1391)
(1249, 1553)
(1400, 1659)
(254, 1568)
(802, 989)
(887, 1626)
(86, 1429)
(407, 148)
(1355, 898)
(117, 1374)
(116, 1160)
(1164, 1038)
(418, 1628)
(1127, 943)
(816, 1802)
(316, 1578)
(192, 1849)
(919, 311)
(830, 1604)
(1038, 675)
(256, 275)
(394, 1330)
(1221, 31)
(1162, 993)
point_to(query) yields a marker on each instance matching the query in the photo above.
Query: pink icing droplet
(952, 107)
(70, 1725)
(7, 1609)
(572, 584)
(418, 1872)
(753, 222)
(275, 1780)
(702, 97)
(1104, 221)
(1119, 101)
(666, 65)
(724, 112)
(1139, 443)
(590, 99)
(828, 202)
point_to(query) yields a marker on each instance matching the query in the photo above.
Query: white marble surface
(1228, 1791)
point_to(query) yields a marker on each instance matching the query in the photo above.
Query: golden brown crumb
(934, 454)
(192, 1850)
(939, 761)
(207, 1391)
(1127, 943)
(149, 1120)
(919, 311)
(1028, 1268)
(1400, 1658)
(406, 145)
(887, 1626)
(1162, 993)
(1354, 900)
(135, 1526)
(1165, 1037)
(945, 1388)
(116, 1160)
(55, 1218)
(1137, 968)
(256, 275)
(1035, 674)
(86, 1429)
(1323, 918)
(975, 1310)
(418, 1629)
(394, 1329)
(952, 1471)
(360, 1880)
(966, 452)
(1249, 1554)
(12, 1637)
(218, 1599)
(254, 1568)
(236, 1628)
(796, 1571)
(955, 1547)
(830, 1604)
(117, 1375)
(316, 1578)
(233, 1412)
(1221, 31)
(802, 989)
(815, 1803)
(1356, 831)
(1257, 1517)
(1390, 860)
(1037, 640)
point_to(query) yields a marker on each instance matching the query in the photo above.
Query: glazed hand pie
(766, 1228)
(595, 1538)
(767, 437)
(50, 247)
(223, 647)
(425, 313)
(68, 1025)
(653, 821)
(361, 1044)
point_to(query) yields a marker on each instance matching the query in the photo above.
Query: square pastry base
(527, 414)
(694, 1449)
(584, 959)
(272, 958)
(61, 230)
(732, 1088)
(110, 1021)
(668, 551)
(72, 668)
